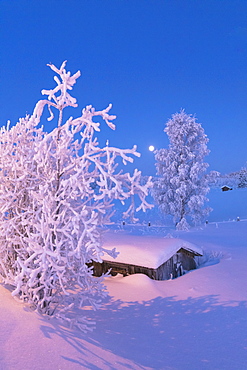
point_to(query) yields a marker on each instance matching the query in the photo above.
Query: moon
(151, 148)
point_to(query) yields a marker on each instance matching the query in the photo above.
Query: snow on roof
(142, 250)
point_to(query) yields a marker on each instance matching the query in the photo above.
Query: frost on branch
(56, 191)
(182, 185)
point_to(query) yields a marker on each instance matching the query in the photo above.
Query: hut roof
(147, 251)
(225, 188)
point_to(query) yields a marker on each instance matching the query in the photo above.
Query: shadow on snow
(164, 333)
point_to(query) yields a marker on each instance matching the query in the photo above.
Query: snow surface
(198, 321)
(227, 205)
(144, 250)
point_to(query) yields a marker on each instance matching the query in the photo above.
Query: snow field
(198, 321)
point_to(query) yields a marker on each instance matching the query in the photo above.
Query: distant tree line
(236, 180)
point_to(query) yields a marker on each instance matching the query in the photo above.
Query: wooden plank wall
(172, 268)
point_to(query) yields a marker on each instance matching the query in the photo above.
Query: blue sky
(149, 58)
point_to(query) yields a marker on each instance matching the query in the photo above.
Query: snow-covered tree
(182, 183)
(56, 192)
(242, 178)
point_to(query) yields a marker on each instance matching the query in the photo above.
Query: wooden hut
(225, 188)
(157, 257)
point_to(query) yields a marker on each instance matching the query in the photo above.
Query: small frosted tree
(56, 192)
(242, 177)
(182, 184)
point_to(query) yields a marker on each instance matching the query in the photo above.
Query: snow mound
(132, 288)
